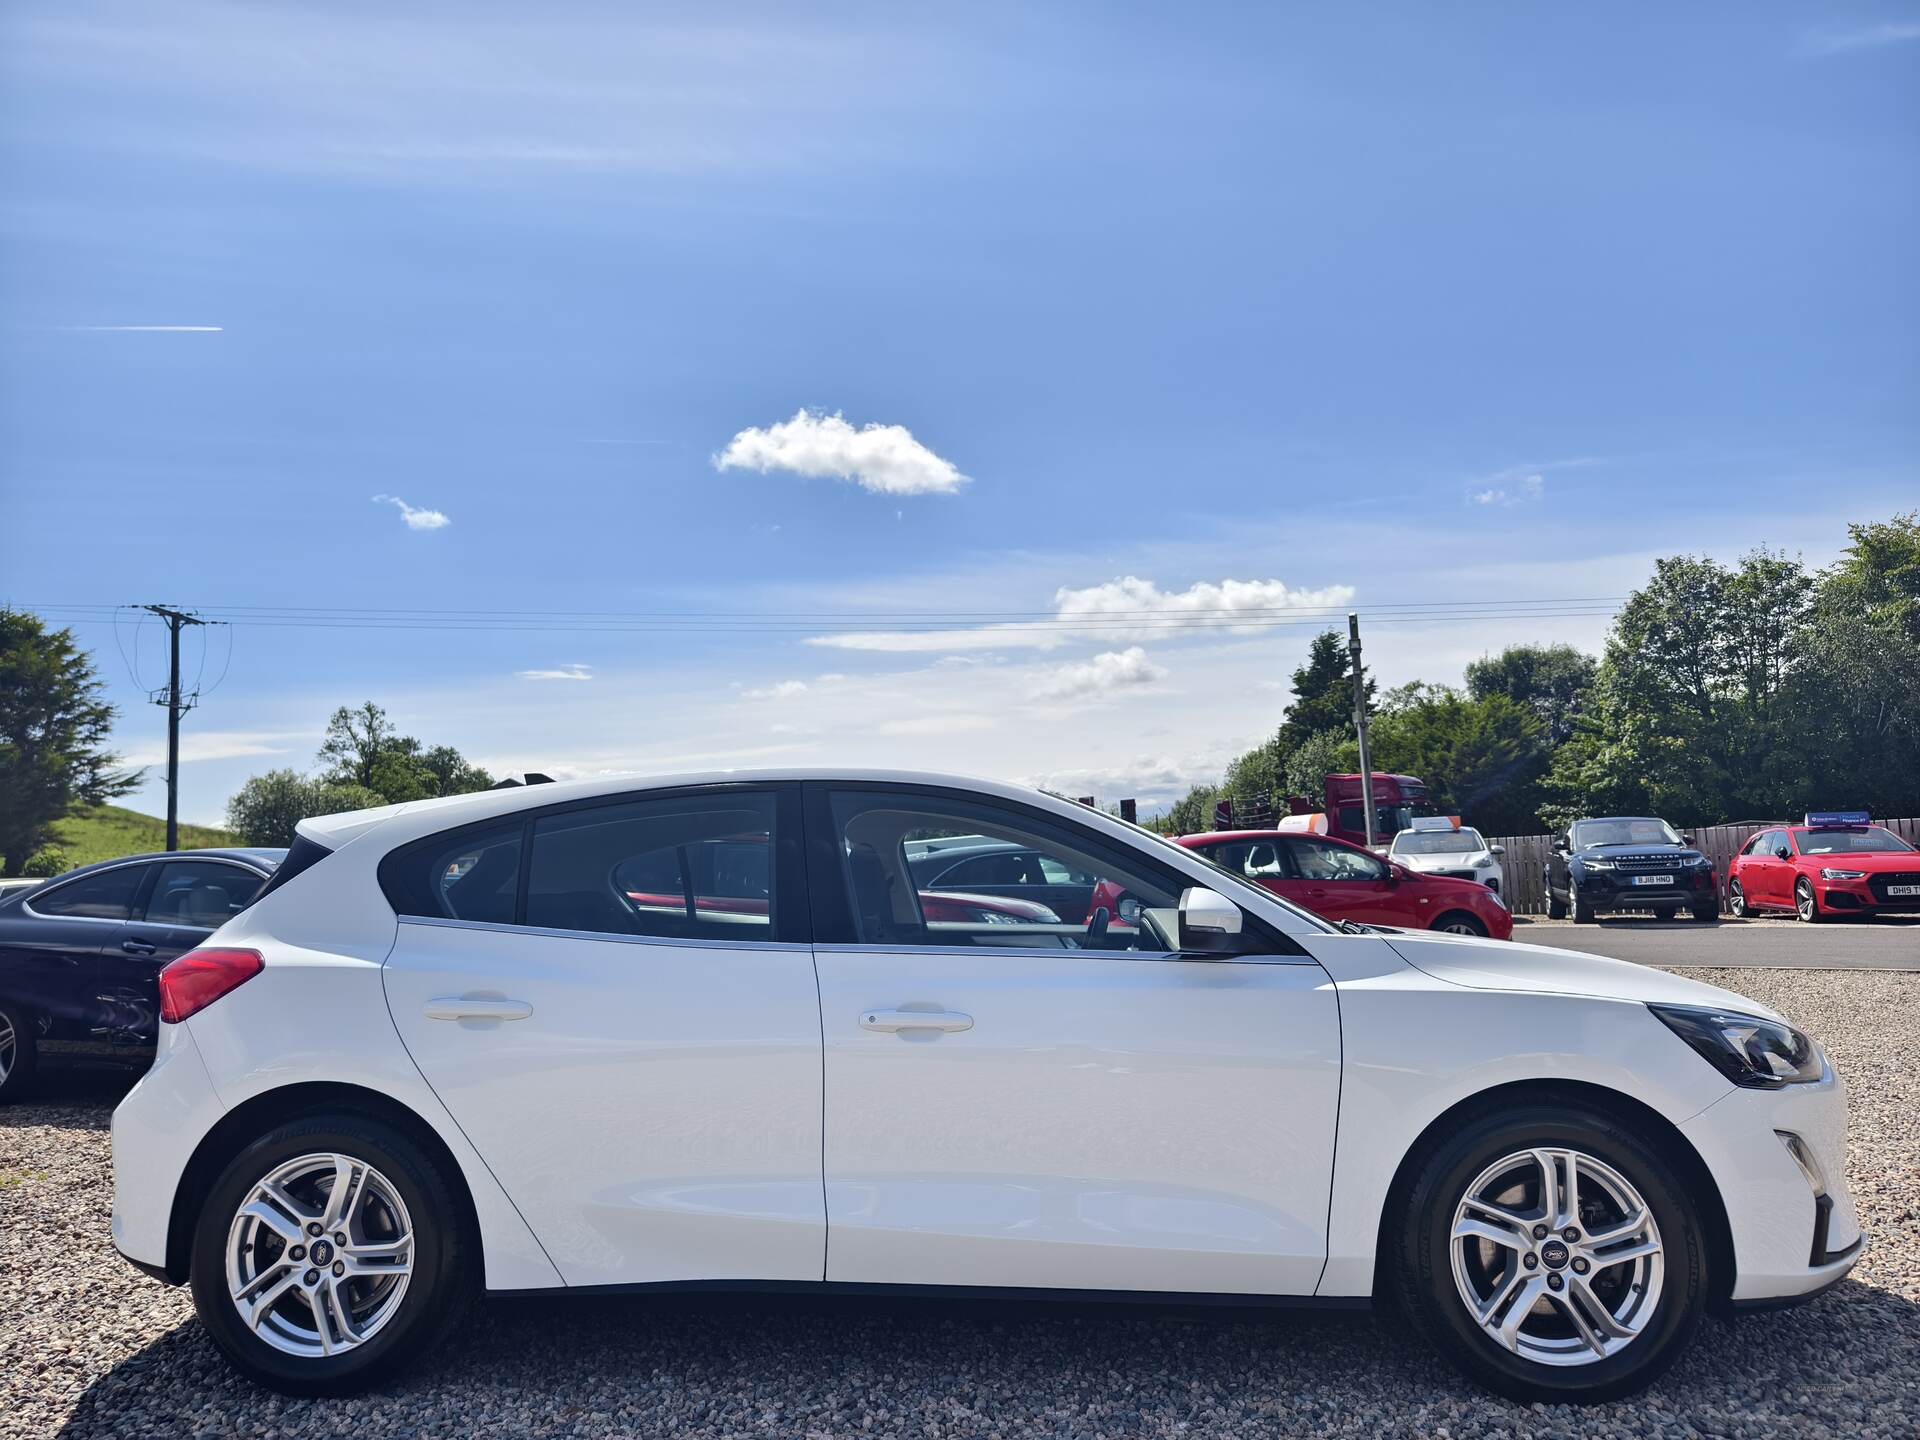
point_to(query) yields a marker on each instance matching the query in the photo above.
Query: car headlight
(1759, 1054)
(1699, 862)
(1597, 864)
(1498, 898)
(1830, 874)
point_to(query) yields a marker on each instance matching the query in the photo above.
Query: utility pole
(177, 705)
(1360, 720)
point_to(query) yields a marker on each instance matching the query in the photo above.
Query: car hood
(1658, 847)
(1462, 860)
(1874, 862)
(1479, 964)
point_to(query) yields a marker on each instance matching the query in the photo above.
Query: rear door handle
(463, 1007)
(138, 947)
(894, 1021)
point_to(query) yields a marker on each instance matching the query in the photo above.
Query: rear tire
(1610, 1326)
(19, 1053)
(347, 1316)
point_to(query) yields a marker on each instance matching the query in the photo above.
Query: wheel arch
(245, 1122)
(1647, 1122)
(1439, 921)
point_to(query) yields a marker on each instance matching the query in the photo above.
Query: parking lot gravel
(88, 1347)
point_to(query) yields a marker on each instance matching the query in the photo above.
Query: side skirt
(872, 1290)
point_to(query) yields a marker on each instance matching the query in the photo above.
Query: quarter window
(699, 867)
(104, 895)
(1031, 884)
(203, 894)
(469, 875)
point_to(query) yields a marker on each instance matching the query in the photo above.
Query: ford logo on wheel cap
(1553, 1254)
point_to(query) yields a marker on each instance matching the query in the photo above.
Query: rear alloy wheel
(1804, 903)
(18, 1053)
(1737, 901)
(1458, 922)
(327, 1254)
(1554, 1255)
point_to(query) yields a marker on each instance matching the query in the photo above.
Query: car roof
(261, 857)
(1211, 835)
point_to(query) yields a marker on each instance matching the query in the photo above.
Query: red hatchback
(1338, 881)
(1832, 865)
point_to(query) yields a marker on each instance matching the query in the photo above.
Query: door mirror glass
(1783, 853)
(1208, 920)
(1497, 850)
(1560, 843)
(1130, 907)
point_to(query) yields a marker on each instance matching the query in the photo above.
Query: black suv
(1628, 862)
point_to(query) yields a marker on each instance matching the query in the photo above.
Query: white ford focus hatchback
(731, 1029)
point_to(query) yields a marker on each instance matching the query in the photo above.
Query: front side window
(1320, 860)
(104, 895)
(691, 868)
(1033, 883)
(203, 894)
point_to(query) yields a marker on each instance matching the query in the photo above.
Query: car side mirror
(1209, 921)
(1498, 850)
(1129, 908)
(1688, 839)
(1781, 852)
(1560, 844)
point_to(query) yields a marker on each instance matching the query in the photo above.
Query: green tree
(265, 810)
(1482, 759)
(1551, 680)
(1190, 814)
(53, 736)
(1322, 694)
(362, 747)
(1331, 752)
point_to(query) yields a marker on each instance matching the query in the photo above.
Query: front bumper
(1789, 1242)
(1617, 890)
(1863, 897)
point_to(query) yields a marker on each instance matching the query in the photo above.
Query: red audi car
(1835, 863)
(1338, 881)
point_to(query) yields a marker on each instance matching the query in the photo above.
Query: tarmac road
(1888, 943)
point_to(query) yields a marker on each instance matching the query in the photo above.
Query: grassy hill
(107, 832)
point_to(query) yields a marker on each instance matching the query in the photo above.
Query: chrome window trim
(448, 923)
(26, 901)
(1055, 952)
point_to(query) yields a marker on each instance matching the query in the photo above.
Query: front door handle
(894, 1021)
(138, 947)
(468, 1007)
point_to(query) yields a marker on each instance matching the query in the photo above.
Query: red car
(1833, 864)
(1338, 881)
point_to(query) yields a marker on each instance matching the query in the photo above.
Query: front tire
(1556, 907)
(1737, 901)
(329, 1253)
(1513, 1202)
(1583, 913)
(1805, 905)
(1458, 922)
(19, 1053)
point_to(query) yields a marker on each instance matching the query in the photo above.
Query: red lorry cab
(1397, 800)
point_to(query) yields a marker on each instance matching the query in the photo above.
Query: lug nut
(314, 1227)
(1539, 1232)
(298, 1252)
(339, 1267)
(341, 1241)
(1554, 1282)
(1570, 1234)
(1579, 1265)
(1532, 1262)
(312, 1277)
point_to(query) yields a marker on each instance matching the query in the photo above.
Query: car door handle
(894, 1021)
(138, 947)
(467, 1007)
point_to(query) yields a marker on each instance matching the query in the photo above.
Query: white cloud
(1126, 609)
(942, 724)
(414, 518)
(560, 672)
(1102, 675)
(222, 745)
(1155, 781)
(143, 329)
(1871, 37)
(779, 690)
(1520, 490)
(885, 459)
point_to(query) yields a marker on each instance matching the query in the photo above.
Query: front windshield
(1850, 842)
(1438, 842)
(1588, 834)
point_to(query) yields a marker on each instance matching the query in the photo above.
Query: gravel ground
(90, 1348)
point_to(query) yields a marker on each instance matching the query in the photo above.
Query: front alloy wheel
(1804, 904)
(17, 1054)
(328, 1252)
(1553, 1252)
(1736, 900)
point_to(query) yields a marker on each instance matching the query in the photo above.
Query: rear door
(180, 905)
(616, 1001)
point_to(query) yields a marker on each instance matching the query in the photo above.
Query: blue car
(80, 956)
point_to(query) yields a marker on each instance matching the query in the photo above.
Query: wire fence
(1526, 857)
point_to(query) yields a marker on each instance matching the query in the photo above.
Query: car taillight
(200, 977)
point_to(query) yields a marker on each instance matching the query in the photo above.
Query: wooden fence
(1526, 857)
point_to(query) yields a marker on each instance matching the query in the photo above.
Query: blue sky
(1383, 305)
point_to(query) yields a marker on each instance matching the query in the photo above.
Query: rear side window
(104, 895)
(204, 894)
(698, 867)
(471, 875)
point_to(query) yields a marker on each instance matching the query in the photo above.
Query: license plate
(1653, 879)
(1903, 889)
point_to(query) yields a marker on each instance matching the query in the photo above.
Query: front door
(1765, 876)
(625, 1030)
(52, 952)
(1343, 882)
(1072, 1106)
